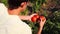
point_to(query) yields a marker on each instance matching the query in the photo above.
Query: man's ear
(23, 4)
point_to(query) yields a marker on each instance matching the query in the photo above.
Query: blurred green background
(50, 9)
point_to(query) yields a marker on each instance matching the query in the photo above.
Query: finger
(34, 14)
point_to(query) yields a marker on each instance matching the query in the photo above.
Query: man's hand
(42, 21)
(41, 24)
(34, 17)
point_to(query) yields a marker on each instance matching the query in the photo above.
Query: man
(12, 23)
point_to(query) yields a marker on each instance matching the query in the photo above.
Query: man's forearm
(24, 17)
(39, 30)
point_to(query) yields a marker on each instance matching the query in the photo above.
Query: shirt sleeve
(26, 29)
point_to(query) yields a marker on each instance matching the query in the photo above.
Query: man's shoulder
(14, 19)
(1, 4)
(3, 9)
(17, 23)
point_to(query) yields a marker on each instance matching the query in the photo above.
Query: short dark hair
(13, 4)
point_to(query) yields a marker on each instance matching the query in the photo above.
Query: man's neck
(14, 11)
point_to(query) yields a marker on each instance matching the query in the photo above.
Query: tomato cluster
(36, 18)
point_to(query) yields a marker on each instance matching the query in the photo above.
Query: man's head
(15, 4)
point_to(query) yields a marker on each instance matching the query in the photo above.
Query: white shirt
(11, 24)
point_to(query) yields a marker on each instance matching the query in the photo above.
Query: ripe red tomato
(34, 18)
(42, 18)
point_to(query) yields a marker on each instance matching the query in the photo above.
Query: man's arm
(24, 17)
(39, 30)
(41, 24)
